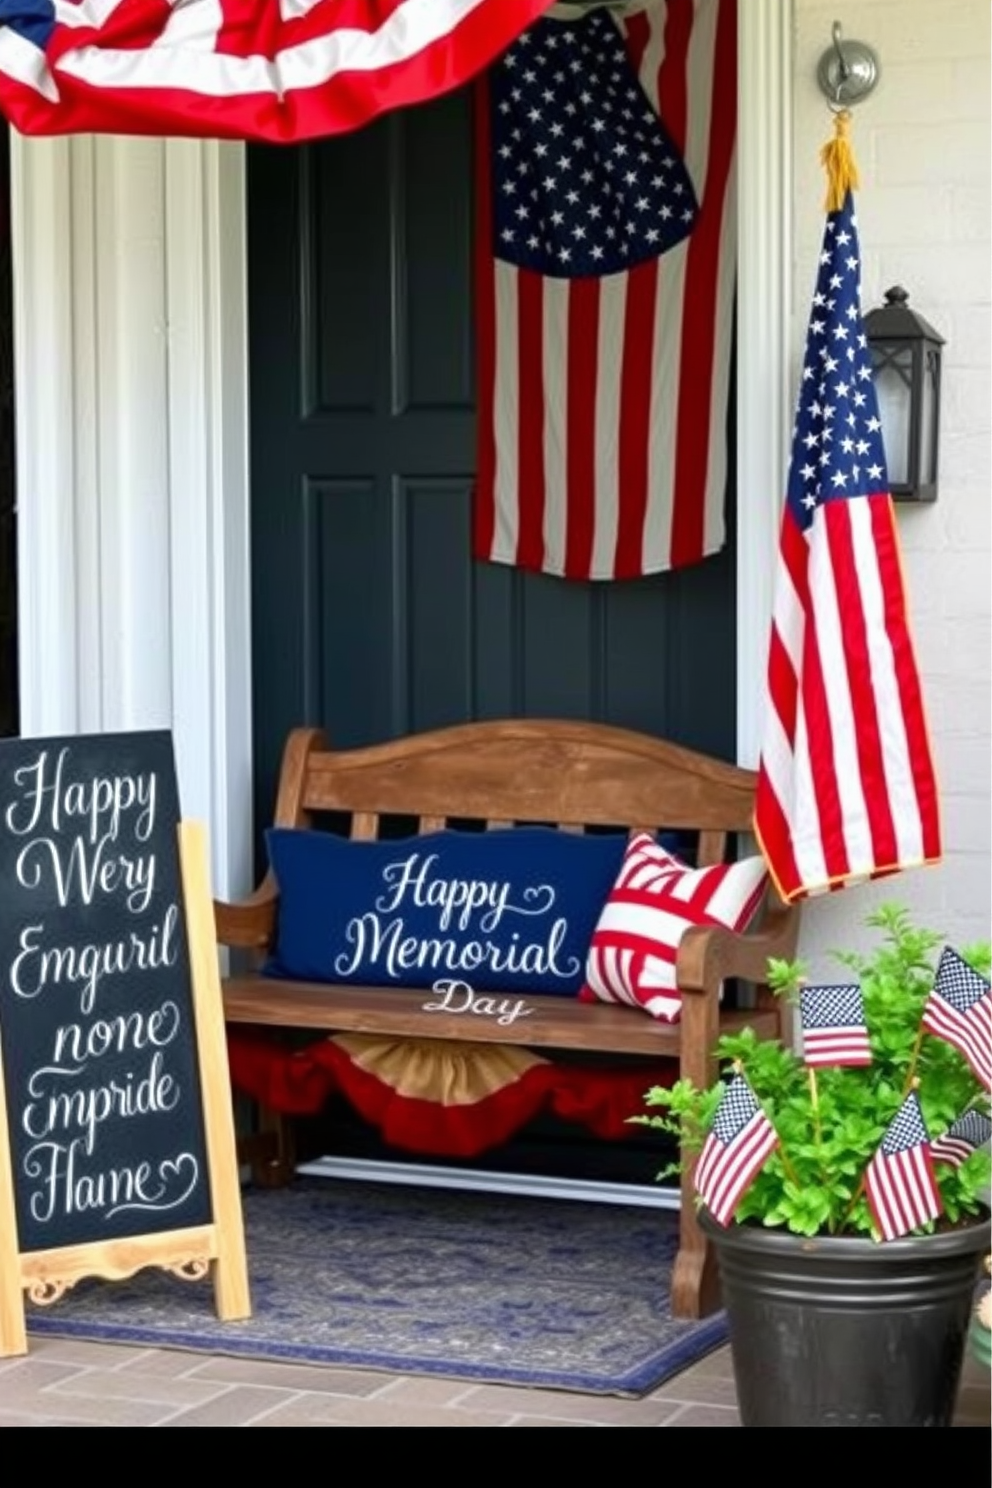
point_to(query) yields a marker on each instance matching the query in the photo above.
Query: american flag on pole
(846, 783)
(602, 447)
(899, 1180)
(959, 1010)
(833, 1024)
(245, 69)
(739, 1144)
(970, 1132)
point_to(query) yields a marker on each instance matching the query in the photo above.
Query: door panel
(369, 615)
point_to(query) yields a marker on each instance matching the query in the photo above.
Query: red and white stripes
(603, 401)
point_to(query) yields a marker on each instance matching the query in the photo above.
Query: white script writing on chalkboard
(62, 1095)
(51, 802)
(88, 870)
(459, 997)
(37, 966)
(67, 1106)
(64, 1188)
(58, 1109)
(476, 907)
(105, 1120)
(73, 828)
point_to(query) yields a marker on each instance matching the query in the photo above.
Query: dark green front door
(370, 617)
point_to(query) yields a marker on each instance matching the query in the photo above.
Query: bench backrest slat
(364, 826)
(712, 848)
(576, 775)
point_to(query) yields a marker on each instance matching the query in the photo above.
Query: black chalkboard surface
(97, 1026)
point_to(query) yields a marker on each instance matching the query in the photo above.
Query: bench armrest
(249, 924)
(709, 954)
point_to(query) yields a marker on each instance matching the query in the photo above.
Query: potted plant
(842, 1185)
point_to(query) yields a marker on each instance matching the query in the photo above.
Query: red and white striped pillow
(654, 901)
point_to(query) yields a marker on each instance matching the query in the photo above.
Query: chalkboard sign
(100, 1051)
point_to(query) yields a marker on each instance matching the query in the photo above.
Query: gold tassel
(838, 159)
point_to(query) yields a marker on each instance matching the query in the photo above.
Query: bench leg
(695, 1279)
(271, 1151)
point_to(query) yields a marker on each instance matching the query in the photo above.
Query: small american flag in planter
(833, 1024)
(970, 1132)
(959, 1010)
(899, 1180)
(738, 1146)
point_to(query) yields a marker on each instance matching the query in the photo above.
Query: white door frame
(131, 377)
(130, 331)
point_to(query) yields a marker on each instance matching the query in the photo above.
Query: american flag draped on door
(603, 397)
(279, 70)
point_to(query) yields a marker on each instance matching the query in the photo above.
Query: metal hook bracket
(847, 70)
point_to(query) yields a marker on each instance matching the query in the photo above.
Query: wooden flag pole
(911, 1079)
(913, 1085)
(780, 1152)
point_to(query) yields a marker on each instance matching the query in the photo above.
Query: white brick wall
(922, 142)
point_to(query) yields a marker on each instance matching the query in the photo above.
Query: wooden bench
(574, 775)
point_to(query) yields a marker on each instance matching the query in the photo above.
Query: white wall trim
(41, 242)
(764, 204)
(208, 481)
(132, 465)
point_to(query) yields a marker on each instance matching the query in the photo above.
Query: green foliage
(830, 1124)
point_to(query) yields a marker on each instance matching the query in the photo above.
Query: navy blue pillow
(510, 910)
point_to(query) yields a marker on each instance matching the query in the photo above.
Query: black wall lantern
(906, 353)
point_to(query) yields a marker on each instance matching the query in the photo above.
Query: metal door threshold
(526, 1185)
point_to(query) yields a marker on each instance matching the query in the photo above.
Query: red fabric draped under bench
(437, 1097)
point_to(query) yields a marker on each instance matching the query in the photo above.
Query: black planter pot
(847, 1332)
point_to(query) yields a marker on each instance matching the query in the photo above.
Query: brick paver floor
(66, 1383)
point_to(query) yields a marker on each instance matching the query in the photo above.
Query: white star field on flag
(586, 180)
(837, 448)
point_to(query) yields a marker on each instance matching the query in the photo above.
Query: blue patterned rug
(554, 1293)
